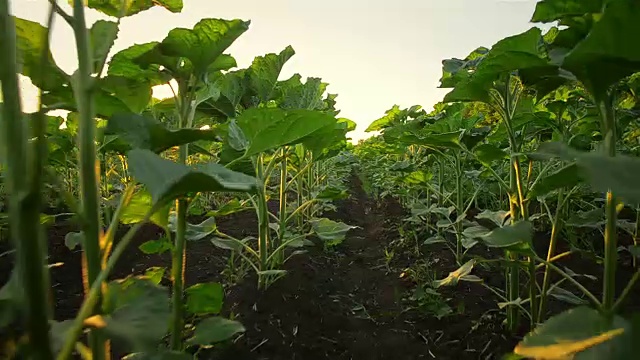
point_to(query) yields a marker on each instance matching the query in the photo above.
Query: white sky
(373, 53)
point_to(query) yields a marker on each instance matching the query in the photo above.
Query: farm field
(236, 219)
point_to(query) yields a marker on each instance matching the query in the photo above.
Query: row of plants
(229, 140)
(537, 136)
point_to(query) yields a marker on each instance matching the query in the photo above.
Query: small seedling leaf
(205, 298)
(214, 330)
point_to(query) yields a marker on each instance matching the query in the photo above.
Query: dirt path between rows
(348, 305)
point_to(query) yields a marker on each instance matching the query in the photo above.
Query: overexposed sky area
(373, 53)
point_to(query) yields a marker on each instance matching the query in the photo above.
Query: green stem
(263, 219)
(178, 270)
(610, 232)
(90, 203)
(25, 201)
(459, 207)
(178, 263)
(553, 243)
(282, 228)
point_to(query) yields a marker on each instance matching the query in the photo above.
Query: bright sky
(373, 53)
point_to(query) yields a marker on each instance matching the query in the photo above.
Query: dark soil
(345, 303)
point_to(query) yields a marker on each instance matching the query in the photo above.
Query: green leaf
(568, 176)
(392, 117)
(113, 7)
(214, 330)
(419, 177)
(155, 274)
(329, 231)
(269, 128)
(194, 232)
(522, 51)
(201, 46)
(437, 239)
(461, 274)
(159, 246)
(488, 153)
(552, 10)
(497, 217)
(607, 55)
(167, 180)
(296, 95)
(30, 45)
(567, 296)
(231, 207)
(123, 64)
(618, 174)
(141, 313)
(134, 93)
(265, 70)
(229, 244)
(519, 233)
(443, 140)
(580, 333)
(103, 35)
(138, 207)
(205, 298)
(73, 239)
(331, 193)
(141, 132)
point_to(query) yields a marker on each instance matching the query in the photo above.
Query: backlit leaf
(458, 275)
(329, 231)
(113, 7)
(269, 128)
(264, 71)
(102, 35)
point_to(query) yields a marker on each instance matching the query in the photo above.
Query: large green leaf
(567, 176)
(580, 333)
(487, 153)
(552, 10)
(102, 35)
(141, 132)
(608, 54)
(123, 64)
(619, 174)
(264, 71)
(392, 117)
(517, 234)
(269, 128)
(31, 44)
(140, 313)
(296, 95)
(134, 93)
(516, 52)
(114, 7)
(214, 330)
(200, 47)
(194, 232)
(167, 180)
(205, 298)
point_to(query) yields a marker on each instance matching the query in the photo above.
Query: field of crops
(236, 220)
